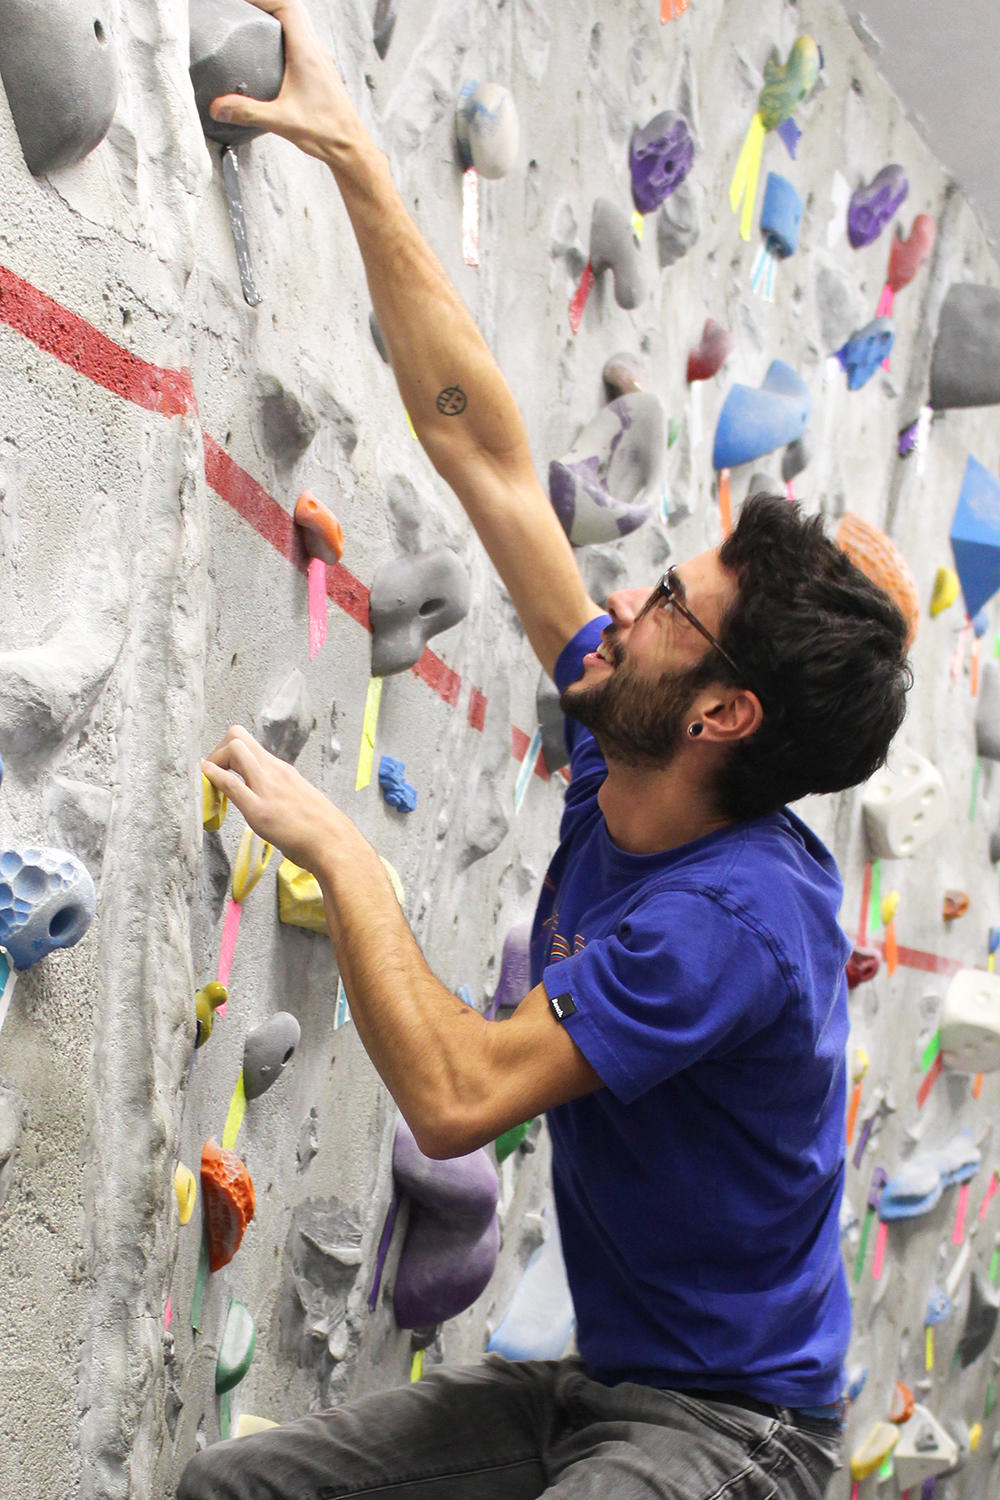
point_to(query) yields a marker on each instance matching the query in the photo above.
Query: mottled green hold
(673, 431)
(787, 84)
(508, 1143)
(236, 1350)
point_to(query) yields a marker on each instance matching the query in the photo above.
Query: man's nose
(625, 604)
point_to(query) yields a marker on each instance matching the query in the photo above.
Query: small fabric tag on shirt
(562, 1006)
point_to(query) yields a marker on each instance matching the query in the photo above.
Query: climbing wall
(168, 393)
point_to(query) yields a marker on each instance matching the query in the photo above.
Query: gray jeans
(515, 1431)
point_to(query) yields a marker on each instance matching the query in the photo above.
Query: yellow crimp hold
(252, 858)
(206, 1003)
(875, 1449)
(300, 900)
(247, 1424)
(859, 1064)
(975, 1435)
(945, 590)
(638, 225)
(214, 805)
(416, 1366)
(186, 1189)
(890, 906)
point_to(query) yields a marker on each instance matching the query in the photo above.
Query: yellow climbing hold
(206, 1003)
(252, 858)
(186, 1189)
(975, 1434)
(247, 1423)
(394, 881)
(300, 900)
(874, 1450)
(890, 906)
(945, 590)
(859, 1064)
(214, 805)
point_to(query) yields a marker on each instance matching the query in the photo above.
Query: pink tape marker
(881, 1240)
(958, 1233)
(991, 1188)
(230, 928)
(317, 604)
(470, 216)
(580, 296)
(168, 1315)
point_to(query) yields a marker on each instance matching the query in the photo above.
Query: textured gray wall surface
(149, 603)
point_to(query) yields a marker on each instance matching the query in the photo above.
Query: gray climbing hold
(267, 1051)
(377, 338)
(613, 248)
(46, 902)
(623, 374)
(677, 226)
(795, 458)
(10, 1134)
(762, 483)
(286, 723)
(965, 367)
(59, 69)
(608, 483)
(995, 847)
(287, 424)
(486, 128)
(234, 49)
(383, 25)
(551, 722)
(980, 1319)
(412, 599)
(988, 711)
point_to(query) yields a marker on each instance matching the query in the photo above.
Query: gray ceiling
(941, 60)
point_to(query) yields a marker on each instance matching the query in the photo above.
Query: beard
(636, 723)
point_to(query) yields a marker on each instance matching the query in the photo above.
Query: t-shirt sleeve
(584, 756)
(682, 978)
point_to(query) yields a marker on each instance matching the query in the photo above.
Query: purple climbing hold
(873, 206)
(396, 790)
(659, 159)
(907, 439)
(865, 350)
(453, 1237)
(608, 483)
(515, 971)
(790, 135)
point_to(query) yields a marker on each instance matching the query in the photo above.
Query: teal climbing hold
(239, 1339)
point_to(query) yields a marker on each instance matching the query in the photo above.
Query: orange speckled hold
(321, 530)
(881, 560)
(902, 1403)
(228, 1196)
(954, 905)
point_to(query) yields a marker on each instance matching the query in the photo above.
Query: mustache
(611, 636)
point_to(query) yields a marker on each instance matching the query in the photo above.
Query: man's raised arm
(476, 440)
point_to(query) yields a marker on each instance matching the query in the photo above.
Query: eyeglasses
(668, 590)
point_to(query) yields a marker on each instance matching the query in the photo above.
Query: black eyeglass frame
(666, 590)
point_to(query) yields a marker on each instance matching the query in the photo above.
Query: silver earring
(695, 729)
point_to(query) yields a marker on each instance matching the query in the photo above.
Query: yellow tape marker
(417, 1366)
(237, 1109)
(638, 225)
(929, 1348)
(409, 423)
(744, 183)
(373, 702)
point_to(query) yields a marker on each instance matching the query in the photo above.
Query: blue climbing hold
(46, 902)
(865, 350)
(981, 623)
(780, 215)
(753, 422)
(975, 536)
(396, 790)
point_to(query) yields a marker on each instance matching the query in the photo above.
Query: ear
(728, 714)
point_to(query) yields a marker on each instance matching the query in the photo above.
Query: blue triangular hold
(753, 422)
(975, 536)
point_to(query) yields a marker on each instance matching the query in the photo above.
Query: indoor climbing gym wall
(711, 253)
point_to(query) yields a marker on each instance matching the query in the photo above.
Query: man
(686, 1027)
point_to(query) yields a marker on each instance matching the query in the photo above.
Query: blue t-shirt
(699, 1191)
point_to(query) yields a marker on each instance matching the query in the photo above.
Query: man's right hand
(312, 110)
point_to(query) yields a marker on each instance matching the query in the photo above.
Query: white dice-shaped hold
(924, 1450)
(970, 1022)
(905, 804)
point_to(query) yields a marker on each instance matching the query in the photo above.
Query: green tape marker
(930, 1052)
(875, 918)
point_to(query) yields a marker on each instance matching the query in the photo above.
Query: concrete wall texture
(155, 592)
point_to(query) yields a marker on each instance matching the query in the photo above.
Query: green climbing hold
(236, 1350)
(508, 1143)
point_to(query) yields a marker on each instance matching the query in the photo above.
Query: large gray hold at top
(234, 49)
(58, 65)
(413, 598)
(965, 368)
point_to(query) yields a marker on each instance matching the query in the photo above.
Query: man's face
(637, 689)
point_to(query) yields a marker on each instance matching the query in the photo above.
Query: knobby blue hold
(780, 216)
(975, 536)
(46, 902)
(865, 350)
(753, 422)
(396, 790)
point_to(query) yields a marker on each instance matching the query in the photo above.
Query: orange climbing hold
(228, 1196)
(881, 560)
(954, 905)
(902, 1403)
(321, 531)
